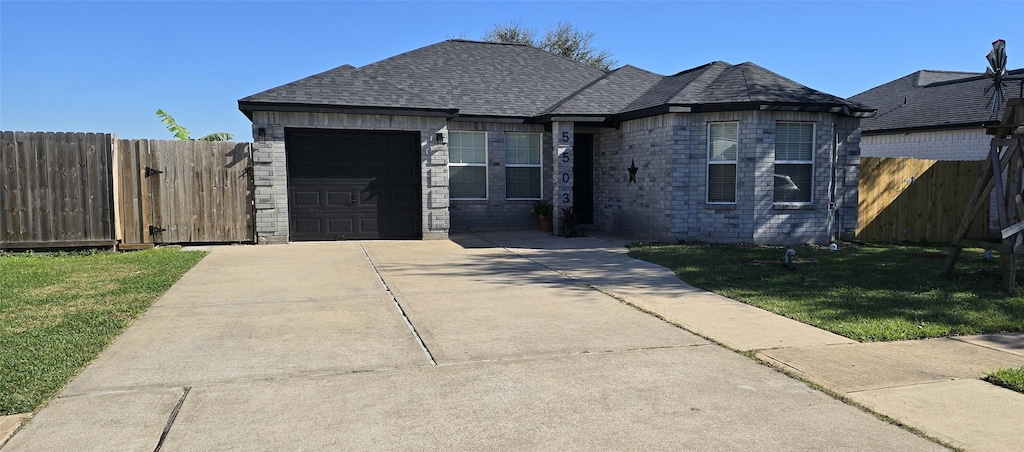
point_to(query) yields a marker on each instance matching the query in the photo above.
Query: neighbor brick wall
(959, 144)
(271, 176)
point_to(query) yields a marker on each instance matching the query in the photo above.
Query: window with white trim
(723, 139)
(467, 165)
(794, 162)
(522, 165)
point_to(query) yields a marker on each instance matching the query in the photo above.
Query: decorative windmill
(997, 72)
(1006, 156)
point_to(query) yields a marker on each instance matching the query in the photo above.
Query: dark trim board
(353, 184)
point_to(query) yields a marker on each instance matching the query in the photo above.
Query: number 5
(565, 157)
(565, 137)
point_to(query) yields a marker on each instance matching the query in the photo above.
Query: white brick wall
(960, 144)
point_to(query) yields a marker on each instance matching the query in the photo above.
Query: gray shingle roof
(510, 80)
(487, 79)
(932, 99)
(609, 94)
(722, 83)
(345, 86)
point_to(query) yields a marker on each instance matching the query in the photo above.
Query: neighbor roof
(481, 79)
(928, 99)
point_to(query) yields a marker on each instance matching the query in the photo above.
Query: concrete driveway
(498, 341)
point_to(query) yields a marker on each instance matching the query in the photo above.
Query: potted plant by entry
(570, 223)
(542, 210)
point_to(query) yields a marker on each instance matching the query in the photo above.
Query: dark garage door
(345, 185)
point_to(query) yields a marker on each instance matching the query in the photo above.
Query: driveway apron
(463, 344)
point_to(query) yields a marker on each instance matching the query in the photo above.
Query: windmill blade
(996, 71)
(997, 59)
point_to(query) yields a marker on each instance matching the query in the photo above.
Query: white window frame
(734, 163)
(814, 130)
(460, 164)
(539, 165)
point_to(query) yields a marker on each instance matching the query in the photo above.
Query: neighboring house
(935, 115)
(932, 115)
(464, 135)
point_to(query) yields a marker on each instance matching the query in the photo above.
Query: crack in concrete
(398, 305)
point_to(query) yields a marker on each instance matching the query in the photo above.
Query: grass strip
(1008, 378)
(864, 292)
(59, 311)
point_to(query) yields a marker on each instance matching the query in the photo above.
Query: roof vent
(904, 100)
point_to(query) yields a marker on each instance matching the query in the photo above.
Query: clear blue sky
(107, 66)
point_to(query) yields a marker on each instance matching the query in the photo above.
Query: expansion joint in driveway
(170, 420)
(398, 305)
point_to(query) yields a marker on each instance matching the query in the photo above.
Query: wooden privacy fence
(56, 190)
(82, 189)
(912, 200)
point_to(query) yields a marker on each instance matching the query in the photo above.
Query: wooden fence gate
(183, 192)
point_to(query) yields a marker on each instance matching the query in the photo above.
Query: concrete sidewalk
(931, 385)
(441, 345)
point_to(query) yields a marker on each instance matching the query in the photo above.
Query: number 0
(565, 177)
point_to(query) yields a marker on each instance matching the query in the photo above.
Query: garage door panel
(340, 226)
(340, 198)
(353, 184)
(307, 225)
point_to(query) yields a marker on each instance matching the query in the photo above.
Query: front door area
(583, 177)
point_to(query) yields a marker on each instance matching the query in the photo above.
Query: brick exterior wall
(668, 200)
(959, 144)
(271, 171)
(496, 212)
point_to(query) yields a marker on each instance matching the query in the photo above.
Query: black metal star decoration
(632, 172)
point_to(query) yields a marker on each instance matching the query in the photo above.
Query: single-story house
(464, 135)
(934, 115)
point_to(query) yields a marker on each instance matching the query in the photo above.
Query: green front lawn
(58, 312)
(1008, 378)
(864, 292)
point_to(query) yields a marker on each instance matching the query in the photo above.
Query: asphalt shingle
(519, 81)
(934, 99)
(345, 86)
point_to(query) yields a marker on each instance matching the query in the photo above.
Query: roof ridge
(592, 83)
(703, 77)
(473, 41)
(574, 93)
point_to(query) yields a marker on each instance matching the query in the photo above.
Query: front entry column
(562, 139)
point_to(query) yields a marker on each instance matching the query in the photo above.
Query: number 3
(565, 198)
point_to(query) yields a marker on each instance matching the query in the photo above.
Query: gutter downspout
(832, 208)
